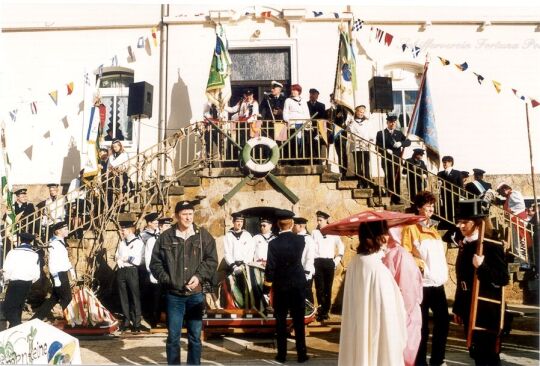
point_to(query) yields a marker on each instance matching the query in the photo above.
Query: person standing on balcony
(337, 116)
(308, 256)
(478, 186)
(54, 207)
(361, 137)
(451, 182)
(23, 209)
(184, 257)
(326, 261)
(423, 241)
(391, 142)
(59, 266)
(272, 104)
(318, 111)
(246, 112)
(416, 172)
(296, 114)
(118, 167)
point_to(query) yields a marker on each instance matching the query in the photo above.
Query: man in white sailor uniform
(326, 262)
(238, 245)
(128, 256)
(308, 256)
(59, 266)
(55, 206)
(261, 241)
(21, 269)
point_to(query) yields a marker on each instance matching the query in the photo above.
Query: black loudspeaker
(140, 99)
(380, 94)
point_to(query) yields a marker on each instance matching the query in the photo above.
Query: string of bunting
(389, 40)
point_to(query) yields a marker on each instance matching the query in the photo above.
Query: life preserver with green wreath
(269, 164)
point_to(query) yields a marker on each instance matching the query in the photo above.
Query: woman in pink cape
(409, 280)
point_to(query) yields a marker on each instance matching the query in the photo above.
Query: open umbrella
(349, 225)
(264, 211)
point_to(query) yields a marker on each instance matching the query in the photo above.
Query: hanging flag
(317, 13)
(33, 107)
(114, 61)
(497, 86)
(218, 87)
(479, 77)
(28, 152)
(69, 88)
(13, 115)
(522, 97)
(534, 103)
(131, 54)
(93, 126)
(444, 61)
(100, 71)
(388, 39)
(280, 131)
(65, 122)
(5, 166)
(379, 33)
(357, 25)
(47, 134)
(464, 66)
(404, 47)
(102, 115)
(266, 14)
(154, 35)
(423, 120)
(345, 81)
(140, 42)
(415, 51)
(336, 15)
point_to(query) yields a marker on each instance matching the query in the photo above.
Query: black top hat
(151, 217)
(313, 90)
(391, 117)
(165, 220)
(184, 205)
(26, 238)
(419, 151)
(21, 191)
(322, 214)
(478, 171)
(126, 223)
(300, 220)
(471, 209)
(59, 225)
(284, 214)
(238, 216)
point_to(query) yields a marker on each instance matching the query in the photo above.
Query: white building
(45, 47)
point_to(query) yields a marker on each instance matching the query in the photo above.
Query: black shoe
(123, 327)
(281, 359)
(136, 329)
(303, 358)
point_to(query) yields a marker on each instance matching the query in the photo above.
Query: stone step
(347, 184)
(361, 193)
(327, 177)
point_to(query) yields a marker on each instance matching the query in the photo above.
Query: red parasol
(349, 225)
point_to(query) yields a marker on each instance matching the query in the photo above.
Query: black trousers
(61, 294)
(391, 168)
(324, 277)
(340, 144)
(16, 294)
(309, 290)
(361, 167)
(293, 300)
(434, 299)
(155, 303)
(127, 279)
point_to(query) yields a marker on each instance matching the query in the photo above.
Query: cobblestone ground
(521, 347)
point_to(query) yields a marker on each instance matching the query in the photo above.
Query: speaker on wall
(380, 94)
(140, 99)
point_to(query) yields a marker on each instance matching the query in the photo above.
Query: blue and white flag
(345, 81)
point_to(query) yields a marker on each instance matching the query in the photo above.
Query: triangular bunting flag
(444, 61)
(114, 61)
(497, 86)
(336, 15)
(33, 107)
(65, 122)
(464, 66)
(47, 134)
(54, 96)
(266, 14)
(154, 35)
(28, 152)
(379, 34)
(317, 13)
(140, 42)
(13, 115)
(534, 103)
(69, 88)
(415, 51)
(131, 54)
(479, 77)
(403, 47)
(388, 39)
(357, 25)
(522, 97)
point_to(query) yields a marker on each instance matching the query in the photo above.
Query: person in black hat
(492, 272)
(315, 107)
(478, 186)
(59, 266)
(238, 245)
(192, 249)
(317, 110)
(451, 182)
(284, 274)
(129, 255)
(262, 240)
(416, 171)
(246, 111)
(23, 210)
(54, 207)
(149, 287)
(464, 177)
(164, 223)
(308, 256)
(326, 262)
(21, 269)
(272, 104)
(337, 117)
(391, 142)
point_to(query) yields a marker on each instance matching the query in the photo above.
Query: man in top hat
(451, 182)
(23, 209)
(238, 245)
(492, 272)
(128, 257)
(184, 257)
(54, 207)
(284, 274)
(262, 240)
(391, 142)
(416, 171)
(308, 256)
(59, 266)
(329, 251)
(478, 186)
(272, 104)
(21, 269)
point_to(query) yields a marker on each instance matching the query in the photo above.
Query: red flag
(102, 114)
(388, 39)
(69, 88)
(379, 34)
(534, 103)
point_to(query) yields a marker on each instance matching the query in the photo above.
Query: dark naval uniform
(391, 165)
(493, 275)
(449, 192)
(317, 107)
(284, 272)
(272, 105)
(471, 187)
(25, 210)
(415, 169)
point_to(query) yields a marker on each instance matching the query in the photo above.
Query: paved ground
(521, 347)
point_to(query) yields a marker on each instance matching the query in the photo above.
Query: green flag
(218, 88)
(7, 194)
(345, 83)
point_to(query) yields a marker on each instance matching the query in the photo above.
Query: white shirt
(129, 252)
(261, 246)
(243, 111)
(21, 264)
(516, 203)
(115, 162)
(325, 245)
(295, 109)
(241, 249)
(58, 257)
(148, 248)
(360, 130)
(55, 211)
(75, 185)
(308, 255)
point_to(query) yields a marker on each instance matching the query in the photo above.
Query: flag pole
(532, 166)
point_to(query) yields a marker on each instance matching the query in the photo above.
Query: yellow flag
(54, 96)
(497, 86)
(280, 131)
(321, 126)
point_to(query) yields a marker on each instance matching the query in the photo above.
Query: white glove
(389, 151)
(57, 282)
(337, 260)
(397, 144)
(477, 260)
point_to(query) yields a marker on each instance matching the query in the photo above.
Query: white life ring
(268, 165)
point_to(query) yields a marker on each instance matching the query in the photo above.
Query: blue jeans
(191, 309)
